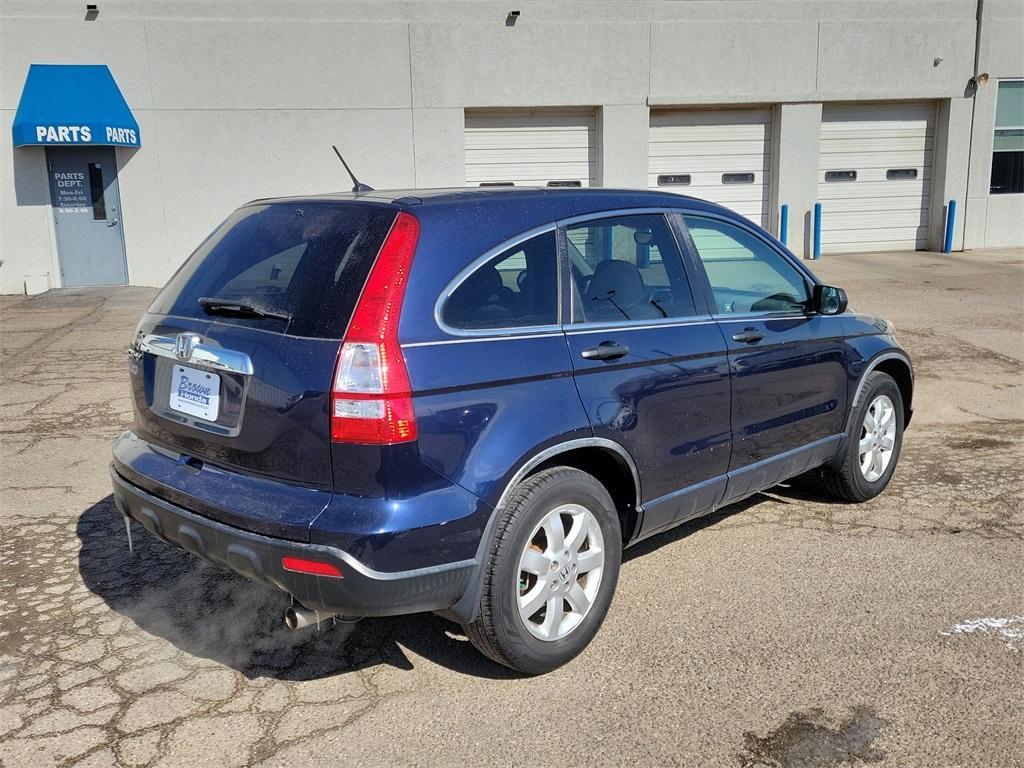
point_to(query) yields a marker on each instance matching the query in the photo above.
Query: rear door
(245, 385)
(649, 362)
(788, 363)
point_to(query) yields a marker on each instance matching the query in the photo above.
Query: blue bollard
(817, 230)
(784, 224)
(950, 226)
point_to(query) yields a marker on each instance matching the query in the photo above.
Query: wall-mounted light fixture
(512, 18)
(91, 11)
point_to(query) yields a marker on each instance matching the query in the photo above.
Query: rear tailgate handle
(606, 350)
(193, 352)
(748, 336)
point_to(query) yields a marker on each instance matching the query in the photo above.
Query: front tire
(873, 446)
(551, 572)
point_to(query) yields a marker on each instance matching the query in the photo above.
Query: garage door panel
(881, 161)
(705, 144)
(890, 219)
(530, 149)
(480, 141)
(717, 164)
(520, 171)
(874, 212)
(540, 155)
(904, 205)
(710, 117)
(915, 143)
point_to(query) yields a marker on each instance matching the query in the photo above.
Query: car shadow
(216, 614)
(797, 489)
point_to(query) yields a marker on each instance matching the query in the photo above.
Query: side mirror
(829, 300)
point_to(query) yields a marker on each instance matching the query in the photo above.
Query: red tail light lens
(371, 399)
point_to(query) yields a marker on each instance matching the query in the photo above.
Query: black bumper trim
(361, 591)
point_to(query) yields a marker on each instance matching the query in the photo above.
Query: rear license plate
(195, 392)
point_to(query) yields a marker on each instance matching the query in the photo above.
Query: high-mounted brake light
(371, 400)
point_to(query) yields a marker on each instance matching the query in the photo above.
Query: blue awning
(73, 104)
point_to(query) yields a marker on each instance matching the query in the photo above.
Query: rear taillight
(371, 401)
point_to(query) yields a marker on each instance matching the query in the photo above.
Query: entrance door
(723, 156)
(875, 176)
(534, 149)
(87, 215)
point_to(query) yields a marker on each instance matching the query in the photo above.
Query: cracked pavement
(787, 630)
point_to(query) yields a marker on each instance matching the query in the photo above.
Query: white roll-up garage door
(723, 156)
(530, 149)
(875, 176)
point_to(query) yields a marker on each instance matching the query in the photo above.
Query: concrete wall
(238, 100)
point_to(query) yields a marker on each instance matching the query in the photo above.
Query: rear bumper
(360, 591)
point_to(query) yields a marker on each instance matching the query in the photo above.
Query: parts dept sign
(86, 134)
(69, 192)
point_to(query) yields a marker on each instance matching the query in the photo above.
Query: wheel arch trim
(465, 609)
(872, 366)
(565, 447)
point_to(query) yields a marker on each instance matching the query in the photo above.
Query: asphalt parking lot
(788, 630)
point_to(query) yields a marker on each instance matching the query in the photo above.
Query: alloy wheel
(560, 572)
(878, 438)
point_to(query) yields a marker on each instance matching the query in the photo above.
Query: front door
(650, 365)
(87, 215)
(788, 364)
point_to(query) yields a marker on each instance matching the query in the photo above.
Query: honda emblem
(184, 344)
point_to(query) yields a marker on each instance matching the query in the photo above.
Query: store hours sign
(70, 193)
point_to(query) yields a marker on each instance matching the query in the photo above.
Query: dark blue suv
(469, 401)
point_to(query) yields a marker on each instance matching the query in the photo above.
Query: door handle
(748, 336)
(606, 350)
(112, 223)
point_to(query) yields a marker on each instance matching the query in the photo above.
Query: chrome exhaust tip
(297, 617)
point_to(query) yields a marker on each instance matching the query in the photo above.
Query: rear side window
(307, 261)
(516, 289)
(628, 268)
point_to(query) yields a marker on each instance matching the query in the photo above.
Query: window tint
(99, 205)
(746, 274)
(308, 261)
(1008, 142)
(628, 268)
(516, 289)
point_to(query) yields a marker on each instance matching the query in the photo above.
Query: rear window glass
(307, 261)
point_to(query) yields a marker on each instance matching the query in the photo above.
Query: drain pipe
(974, 83)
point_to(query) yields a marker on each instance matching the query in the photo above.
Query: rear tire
(873, 446)
(550, 573)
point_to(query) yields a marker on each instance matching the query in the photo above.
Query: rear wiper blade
(213, 306)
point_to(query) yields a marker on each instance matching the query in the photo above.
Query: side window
(516, 289)
(628, 268)
(746, 274)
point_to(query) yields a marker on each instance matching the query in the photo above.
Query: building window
(674, 180)
(1008, 142)
(900, 174)
(737, 178)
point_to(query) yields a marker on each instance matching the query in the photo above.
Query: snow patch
(1010, 628)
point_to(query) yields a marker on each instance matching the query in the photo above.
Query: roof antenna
(357, 186)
